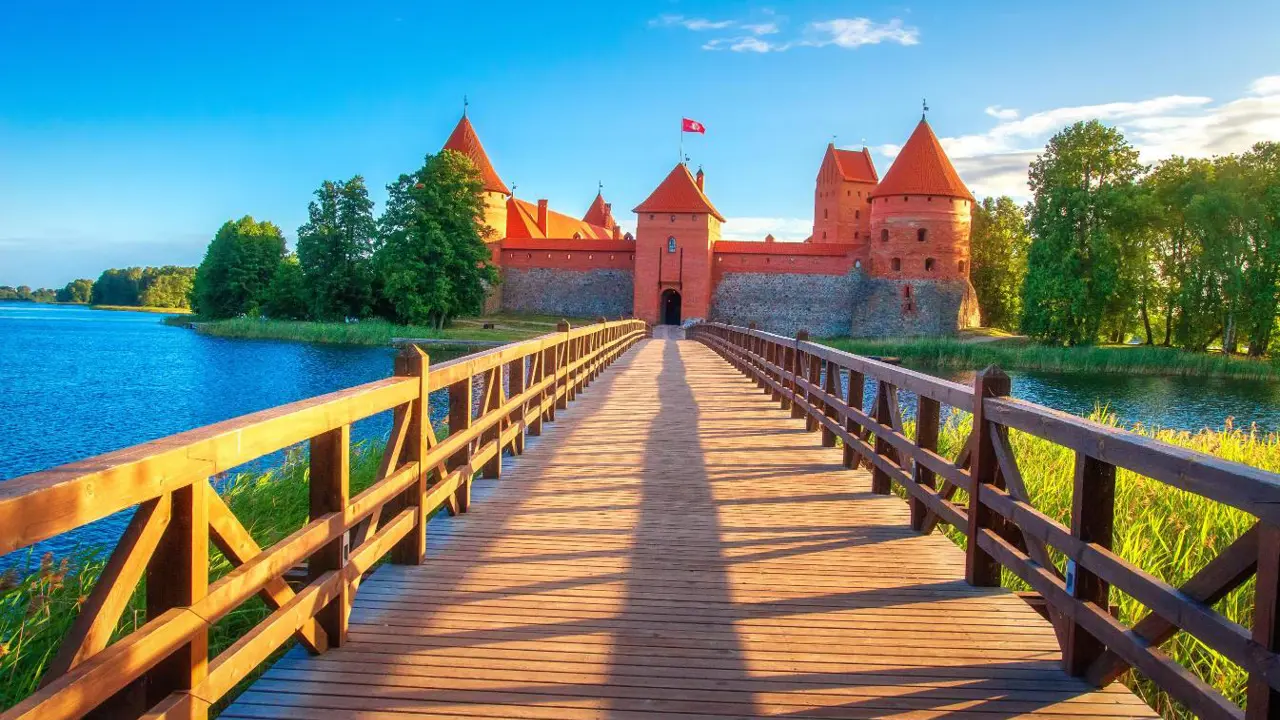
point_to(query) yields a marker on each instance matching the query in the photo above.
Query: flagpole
(681, 159)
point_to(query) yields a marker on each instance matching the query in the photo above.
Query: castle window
(906, 199)
(824, 213)
(896, 264)
(528, 256)
(857, 214)
(928, 264)
(960, 266)
(929, 199)
(671, 244)
(857, 264)
(855, 234)
(884, 235)
(589, 257)
(848, 193)
(921, 235)
(906, 292)
(824, 234)
(673, 218)
(577, 236)
(610, 257)
(694, 216)
(650, 216)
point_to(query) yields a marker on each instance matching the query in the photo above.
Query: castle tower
(920, 215)
(676, 227)
(841, 198)
(464, 140)
(600, 213)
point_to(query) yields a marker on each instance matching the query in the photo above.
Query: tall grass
(1015, 354)
(507, 328)
(37, 610)
(1167, 532)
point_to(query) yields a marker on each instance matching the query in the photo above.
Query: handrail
(179, 514)
(1003, 529)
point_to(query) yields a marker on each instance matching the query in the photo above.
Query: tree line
(1183, 253)
(163, 287)
(423, 261)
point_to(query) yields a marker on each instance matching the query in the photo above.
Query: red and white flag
(693, 126)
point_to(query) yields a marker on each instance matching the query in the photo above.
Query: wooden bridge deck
(675, 545)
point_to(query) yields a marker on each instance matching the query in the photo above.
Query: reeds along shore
(1019, 354)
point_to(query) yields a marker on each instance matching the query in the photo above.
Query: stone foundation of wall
(883, 308)
(571, 293)
(784, 303)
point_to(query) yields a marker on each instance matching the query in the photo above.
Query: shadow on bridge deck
(676, 546)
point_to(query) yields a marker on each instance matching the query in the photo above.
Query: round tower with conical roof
(920, 215)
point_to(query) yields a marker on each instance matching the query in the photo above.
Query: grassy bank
(1169, 533)
(506, 328)
(37, 610)
(1022, 354)
(143, 308)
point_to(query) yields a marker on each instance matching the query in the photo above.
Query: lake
(78, 382)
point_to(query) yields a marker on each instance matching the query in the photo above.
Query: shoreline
(1027, 355)
(465, 333)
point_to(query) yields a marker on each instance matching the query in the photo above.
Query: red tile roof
(678, 193)
(922, 168)
(522, 222)
(600, 213)
(855, 165)
(464, 140)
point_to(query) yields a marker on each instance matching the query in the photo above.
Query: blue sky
(130, 131)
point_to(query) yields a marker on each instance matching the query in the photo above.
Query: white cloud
(1000, 113)
(856, 32)
(783, 229)
(695, 24)
(995, 162)
(849, 33)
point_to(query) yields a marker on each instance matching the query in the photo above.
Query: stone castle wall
(784, 303)
(884, 307)
(602, 292)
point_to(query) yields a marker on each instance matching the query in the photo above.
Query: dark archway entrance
(670, 304)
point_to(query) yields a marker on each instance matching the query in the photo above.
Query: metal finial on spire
(833, 138)
(464, 106)
(599, 187)
(513, 189)
(924, 105)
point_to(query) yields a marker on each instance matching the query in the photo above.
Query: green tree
(434, 263)
(1075, 284)
(237, 268)
(1260, 187)
(287, 296)
(335, 249)
(77, 291)
(117, 286)
(167, 287)
(999, 242)
(1176, 247)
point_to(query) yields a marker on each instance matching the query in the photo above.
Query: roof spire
(599, 187)
(464, 106)
(924, 108)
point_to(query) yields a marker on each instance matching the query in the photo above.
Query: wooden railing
(163, 668)
(1003, 529)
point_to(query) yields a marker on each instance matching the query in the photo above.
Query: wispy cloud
(848, 33)
(995, 162)
(783, 229)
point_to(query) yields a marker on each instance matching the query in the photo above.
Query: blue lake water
(76, 382)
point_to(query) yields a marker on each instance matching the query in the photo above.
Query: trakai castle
(887, 256)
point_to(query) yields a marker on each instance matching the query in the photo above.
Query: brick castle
(887, 256)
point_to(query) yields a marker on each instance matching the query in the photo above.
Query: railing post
(795, 366)
(815, 381)
(562, 361)
(516, 371)
(831, 386)
(492, 469)
(980, 568)
(886, 403)
(178, 576)
(1093, 509)
(775, 358)
(853, 398)
(1263, 700)
(330, 490)
(927, 420)
(460, 398)
(412, 362)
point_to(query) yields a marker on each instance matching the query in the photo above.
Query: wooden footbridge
(645, 528)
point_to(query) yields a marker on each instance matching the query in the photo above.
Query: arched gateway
(670, 305)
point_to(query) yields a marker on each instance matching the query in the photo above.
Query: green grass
(141, 308)
(1021, 354)
(508, 328)
(1167, 532)
(37, 610)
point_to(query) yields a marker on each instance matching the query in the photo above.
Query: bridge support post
(815, 381)
(516, 373)
(178, 576)
(493, 399)
(412, 549)
(832, 388)
(330, 489)
(795, 366)
(562, 361)
(886, 410)
(980, 568)
(1093, 507)
(927, 421)
(853, 398)
(773, 353)
(1263, 700)
(460, 395)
